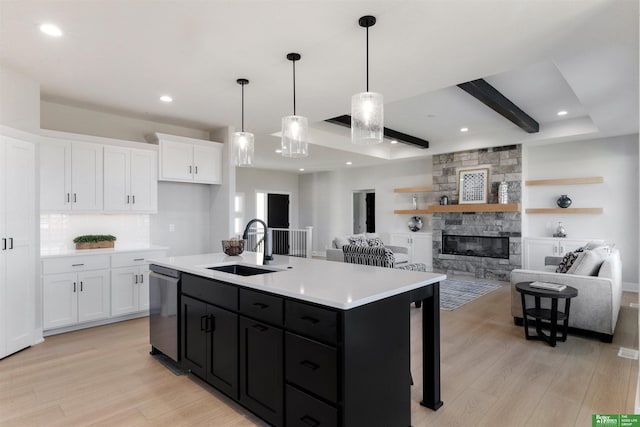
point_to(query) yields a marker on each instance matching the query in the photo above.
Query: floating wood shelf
(424, 189)
(564, 210)
(566, 181)
(477, 207)
(484, 207)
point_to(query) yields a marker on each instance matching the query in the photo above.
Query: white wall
(19, 101)
(616, 159)
(187, 206)
(326, 198)
(221, 207)
(249, 181)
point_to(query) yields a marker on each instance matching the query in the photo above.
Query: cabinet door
(117, 179)
(536, 249)
(402, 239)
(193, 339)
(207, 163)
(86, 176)
(261, 370)
(55, 175)
(19, 221)
(176, 161)
(94, 296)
(60, 300)
(422, 249)
(124, 290)
(144, 181)
(143, 289)
(222, 350)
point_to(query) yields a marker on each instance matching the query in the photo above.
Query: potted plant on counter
(94, 241)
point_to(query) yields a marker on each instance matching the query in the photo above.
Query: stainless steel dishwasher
(163, 311)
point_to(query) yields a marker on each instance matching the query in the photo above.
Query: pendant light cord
(367, 59)
(242, 107)
(294, 87)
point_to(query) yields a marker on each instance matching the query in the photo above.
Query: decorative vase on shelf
(415, 202)
(503, 193)
(415, 223)
(560, 231)
(564, 201)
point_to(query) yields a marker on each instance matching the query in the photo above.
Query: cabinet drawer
(131, 259)
(211, 291)
(314, 322)
(306, 411)
(76, 263)
(261, 306)
(311, 366)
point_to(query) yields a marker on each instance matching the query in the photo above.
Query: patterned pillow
(375, 242)
(358, 240)
(568, 260)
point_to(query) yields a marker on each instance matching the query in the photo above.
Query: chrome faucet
(268, 256)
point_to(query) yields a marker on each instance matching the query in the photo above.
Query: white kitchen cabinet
(535, 249)
(189, 160)
(130, 282)
(419, 244)
(130, 180)
(17, 245)
(71, 298)
(70, 176)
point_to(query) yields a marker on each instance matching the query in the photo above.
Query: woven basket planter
(95, 245)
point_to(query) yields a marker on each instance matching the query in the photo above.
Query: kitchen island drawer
(305, 411)
(312, 321)
(311, 366)
(76, 263)
(261, 306)
(211, 291)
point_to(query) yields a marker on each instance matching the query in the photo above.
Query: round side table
(551, 315)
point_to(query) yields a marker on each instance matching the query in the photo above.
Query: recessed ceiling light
(349, 163)
(393, 141)
(278, 151)
(301, 169)
(51, 30)
(464, 129)
(563, 113)
(166, 98)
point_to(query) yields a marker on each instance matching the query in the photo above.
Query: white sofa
(597, 305)
(334, 253)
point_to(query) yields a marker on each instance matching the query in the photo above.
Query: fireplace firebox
(480, 246)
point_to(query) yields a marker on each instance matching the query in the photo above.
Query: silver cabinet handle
(68, 197)
(127, 199)
(136, 279)
(190, 169)
(142, 278)
(74, 287)
(81, 286)
(75, 198)
(134, 199)
(77, 265)
(10, 242)
(196, 170)
(138, 259)
(4, 244)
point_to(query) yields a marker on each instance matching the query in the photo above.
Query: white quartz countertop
(64, 251)
(334, 284)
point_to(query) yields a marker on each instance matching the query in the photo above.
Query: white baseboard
(101, 322)
(319, 253)
(630, 287)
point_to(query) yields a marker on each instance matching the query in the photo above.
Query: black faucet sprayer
(267, 237)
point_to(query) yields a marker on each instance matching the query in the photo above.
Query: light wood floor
(490, 376)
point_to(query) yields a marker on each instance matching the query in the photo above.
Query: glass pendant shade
(367, 118)
(243, 144)
(295, 134)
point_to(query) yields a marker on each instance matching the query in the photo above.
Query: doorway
(364, 211)
(278, 217)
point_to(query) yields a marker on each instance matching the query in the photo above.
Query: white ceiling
(581, 56)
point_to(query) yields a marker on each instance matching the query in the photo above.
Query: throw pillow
(375, 242)
(589, 264)
(358, 240)
(339, 242)
(568, 260)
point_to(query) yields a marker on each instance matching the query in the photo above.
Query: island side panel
(431, 347)
(376, 389)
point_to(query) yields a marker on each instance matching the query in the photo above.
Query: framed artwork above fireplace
(473, 185)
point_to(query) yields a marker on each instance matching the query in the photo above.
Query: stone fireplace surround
(505, 163)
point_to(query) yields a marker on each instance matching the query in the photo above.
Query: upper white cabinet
(189, 160)
(17, 245)
(130, 180)
(70, 176)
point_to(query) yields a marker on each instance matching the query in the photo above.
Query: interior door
(278, 217)
(370, 200)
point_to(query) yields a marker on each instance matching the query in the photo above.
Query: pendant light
(243, 141)
(367, 109)
(295, 129)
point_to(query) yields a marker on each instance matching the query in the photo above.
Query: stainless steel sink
(241, 270)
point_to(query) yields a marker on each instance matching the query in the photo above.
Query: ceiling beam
(491, 97)
(345, 120)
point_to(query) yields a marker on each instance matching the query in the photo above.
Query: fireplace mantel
(475, 208)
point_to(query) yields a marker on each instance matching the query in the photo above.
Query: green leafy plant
(94, 238)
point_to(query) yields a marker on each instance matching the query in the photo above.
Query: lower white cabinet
(535, 249)
(419, 244)
(71, 298)
(130, 282)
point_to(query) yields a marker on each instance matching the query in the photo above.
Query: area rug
(456, 293)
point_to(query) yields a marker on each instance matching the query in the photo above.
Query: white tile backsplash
(57, 231)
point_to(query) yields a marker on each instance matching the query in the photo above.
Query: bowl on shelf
(233, 247)
(415, 223)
